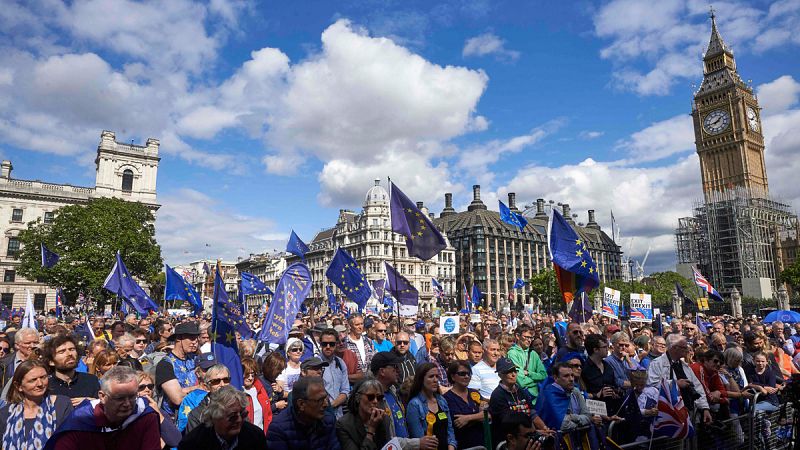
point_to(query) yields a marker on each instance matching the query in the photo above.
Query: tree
(86, 237)
(791, 275)
(543, 286)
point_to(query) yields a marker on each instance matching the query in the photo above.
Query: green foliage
(659, 285)
(87, 237)
(791, 275)
(543, 284)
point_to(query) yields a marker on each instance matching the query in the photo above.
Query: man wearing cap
(313, 367)
(175, 374)
(508, 397)
(202, 363)
(337, 384)
(358, 344)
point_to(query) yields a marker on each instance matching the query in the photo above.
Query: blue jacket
(285, 432)
(415, 417)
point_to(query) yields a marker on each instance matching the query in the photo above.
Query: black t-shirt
(81, 385)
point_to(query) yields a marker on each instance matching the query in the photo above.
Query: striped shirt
(484, 379)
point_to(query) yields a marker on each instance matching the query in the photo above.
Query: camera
(546, 440)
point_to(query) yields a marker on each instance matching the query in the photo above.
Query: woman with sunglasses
(170, 436)
(363, 428)
(427, 413)
(258, 407)
(294, 351)
(707, 371)
(466, 406)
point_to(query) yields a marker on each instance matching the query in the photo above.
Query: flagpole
(394, 257)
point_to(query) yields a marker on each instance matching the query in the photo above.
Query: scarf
(83, 418)
(44, 425)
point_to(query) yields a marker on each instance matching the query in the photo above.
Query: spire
(716, 45)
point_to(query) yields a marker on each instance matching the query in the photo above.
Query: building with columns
(122, 170)
(493, 254)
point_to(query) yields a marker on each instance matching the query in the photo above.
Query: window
(9, 276)
(7, 299)
(38, 301)
(49, 216)
(16, 215)
(127, 180)
(13, 247)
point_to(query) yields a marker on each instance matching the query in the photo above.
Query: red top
(711, 381)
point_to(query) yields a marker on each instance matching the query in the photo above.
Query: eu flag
(252, 285)
(119, 282)
(476, 295)
(511, 217)
(296, 246)
(291, 290)
(581, 310)
(177, 288)
(49, 258)
(575, 269)
(406, 294)
(346, 275)
(225, 318)
(333, 305)
(59, 302)
(422, 239)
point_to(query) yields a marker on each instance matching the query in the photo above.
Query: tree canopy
(87, 237)
(791, 275)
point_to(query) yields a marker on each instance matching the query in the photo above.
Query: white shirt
(258, 413)
(360, 345)
(484, 379)
(288, 377)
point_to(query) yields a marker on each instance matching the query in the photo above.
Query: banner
(611, 303)
(641, 308)
(449, 325)
(292, 289)
(702, 304)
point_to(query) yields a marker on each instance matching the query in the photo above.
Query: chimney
(592, 223)
(448, 205)
(5, 169)
(431, 216)
(566, 212)
(476, 199)
(540, 214)
(512, 201)
(419, 205)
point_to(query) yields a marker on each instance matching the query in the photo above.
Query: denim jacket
(415, 417)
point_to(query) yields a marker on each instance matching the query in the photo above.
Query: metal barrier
(773, 427)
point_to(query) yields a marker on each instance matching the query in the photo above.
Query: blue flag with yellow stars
(511, 217)
(177, 288)
(575, 269)
(252, 285)
(581, 310)
(49, 258)
(476, 295)
(422, 239)
(225, 319)
(406, 294)
(519, 284)
(333, 304)
(346, 275)
(120, 283)
(291, 290)
(296, 246)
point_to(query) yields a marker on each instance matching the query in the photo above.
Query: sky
(274, 115)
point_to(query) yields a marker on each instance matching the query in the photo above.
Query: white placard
(641, 309)
(475, 318)
(596, 407)
(449, 325)
(394, 444)
(611, 303)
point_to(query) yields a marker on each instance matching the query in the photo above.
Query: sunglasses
(236, 416)
(3, 348)
(380, 331)
(295, 350)
(401, 343)
(141, 341)
(217, 381)
(464, 374)
(372, 397)
(327, 344)
(143, 387)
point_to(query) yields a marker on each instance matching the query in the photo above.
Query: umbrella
(783, 316)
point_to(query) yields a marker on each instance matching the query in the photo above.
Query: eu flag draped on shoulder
(49, 258)
(512, 218)
(291, 290)
(406, 294)
(225, 319)
(703, 284)
(120, 282)
(296, 246)
(346, 275)
(177, 288)
(575, 269)
(423, 240)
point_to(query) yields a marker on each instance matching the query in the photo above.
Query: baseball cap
(313, 363)
(612, 328)
(504, 365)
(383, 359)
(205, 360)
(340, 328)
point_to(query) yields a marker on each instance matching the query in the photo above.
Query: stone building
(203, 282)
(493, 254)
(122, 170)
(268, 267)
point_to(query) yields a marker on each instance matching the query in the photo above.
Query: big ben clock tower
(727, 126)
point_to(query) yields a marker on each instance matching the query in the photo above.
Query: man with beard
(61, 354)
(574, 341)
(175, 374)
(408, 364)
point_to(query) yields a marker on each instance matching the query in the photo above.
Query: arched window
(127, 180)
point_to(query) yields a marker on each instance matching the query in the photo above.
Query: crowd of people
(517, 380)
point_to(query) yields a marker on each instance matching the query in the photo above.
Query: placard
(611, 303)
(474, 318)
(641, 308)
(596, 407)
(449, 325)
(702, 304)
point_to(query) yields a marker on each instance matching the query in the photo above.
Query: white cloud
(189, 219)
(588, 135)
(661, 139)
(778, 95)
(488, 44)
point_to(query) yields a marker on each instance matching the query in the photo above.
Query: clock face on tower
(752, 118)
(716, 121)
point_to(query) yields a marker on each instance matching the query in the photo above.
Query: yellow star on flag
(583, 263)
(578, 242)
(579, 253)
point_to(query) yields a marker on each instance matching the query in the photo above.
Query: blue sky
(274, 115)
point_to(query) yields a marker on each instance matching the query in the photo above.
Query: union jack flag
(467, 299)
(673, 416)
(703, 284)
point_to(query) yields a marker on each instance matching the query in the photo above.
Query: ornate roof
(376, 195)
(716, 45)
